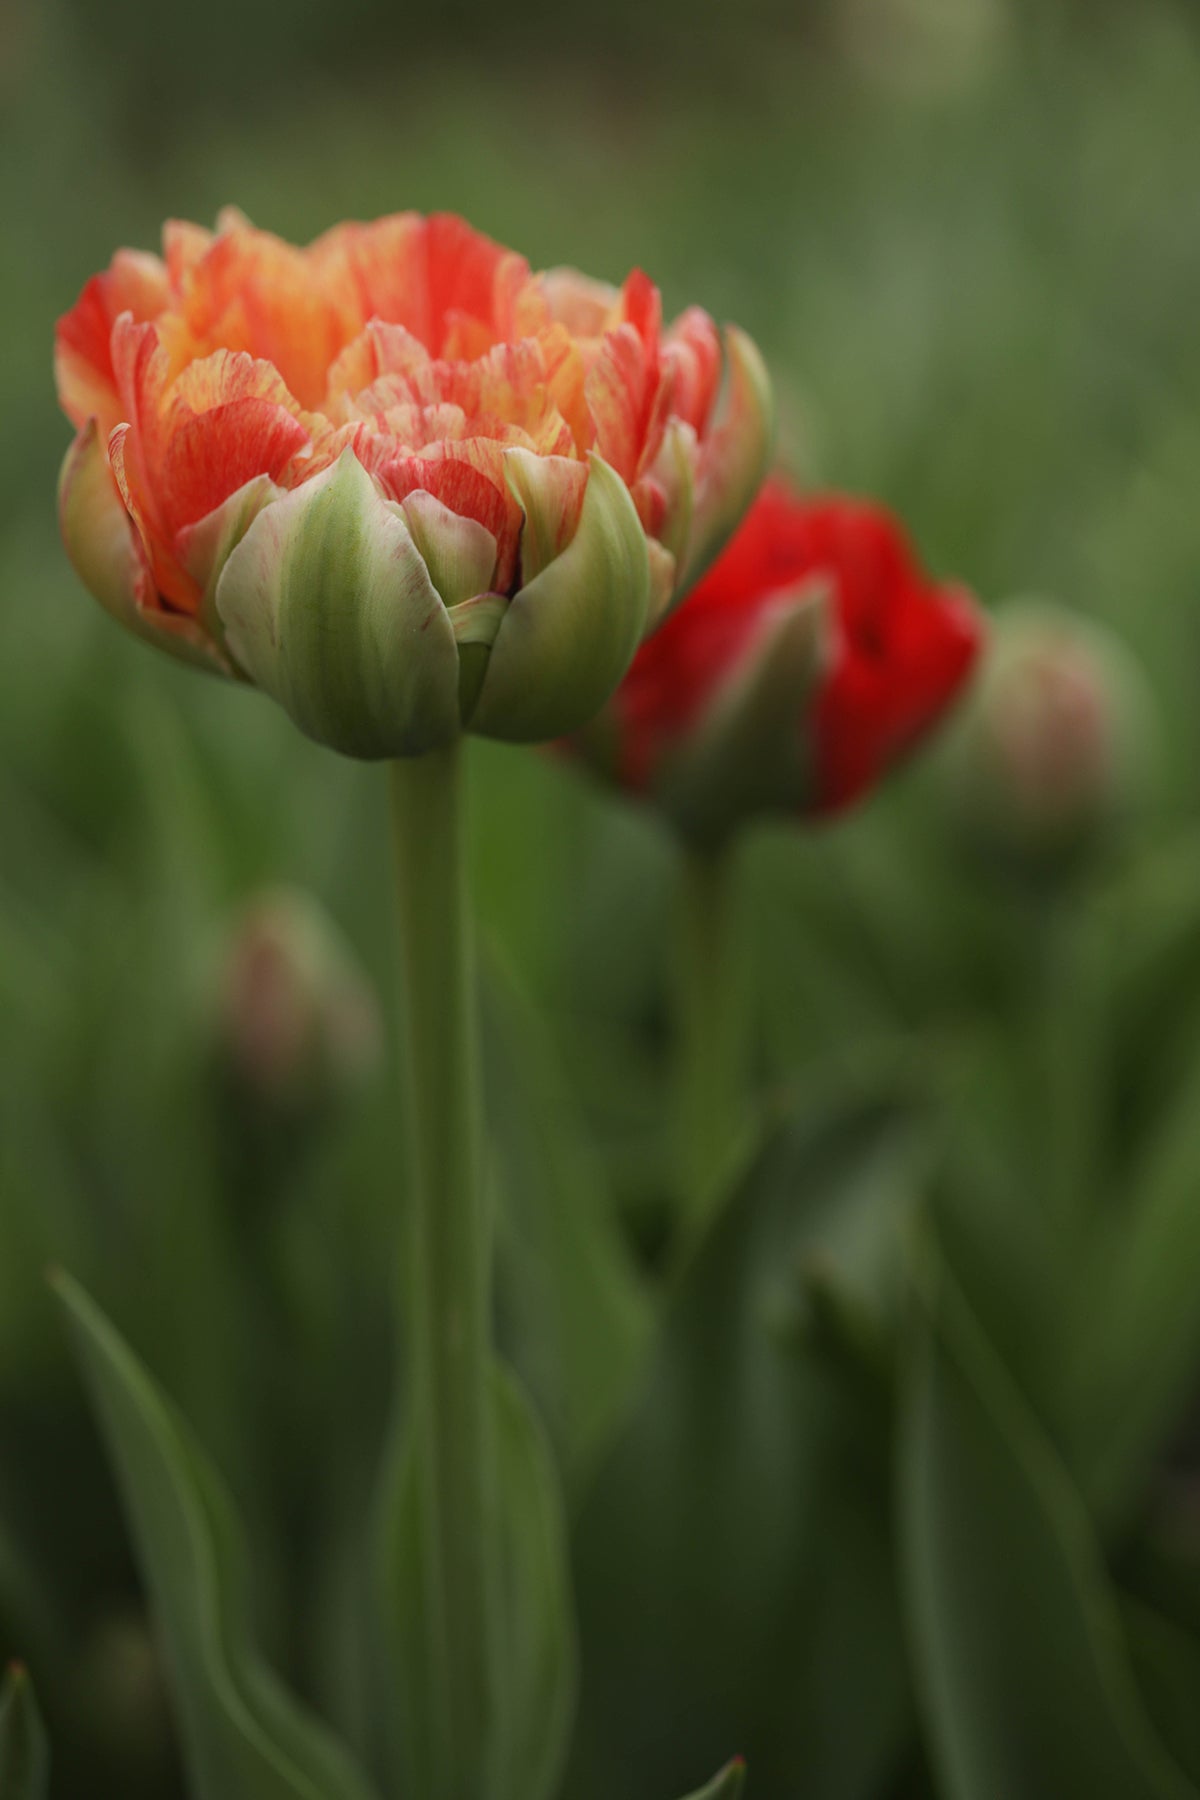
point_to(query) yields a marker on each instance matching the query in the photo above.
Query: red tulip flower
(396, 479)
(813, 654)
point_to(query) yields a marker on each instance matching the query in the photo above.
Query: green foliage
(725, 1786)
(246, 1739)
(1025, 1680)
(731, 1559)
(534, 1656)
(24, 1755)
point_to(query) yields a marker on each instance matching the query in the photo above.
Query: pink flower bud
(297, 1023)
(1052, 754)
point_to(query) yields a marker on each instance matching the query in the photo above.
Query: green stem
(708, 1026)
(447, 1275)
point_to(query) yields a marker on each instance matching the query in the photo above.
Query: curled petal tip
(734, 459)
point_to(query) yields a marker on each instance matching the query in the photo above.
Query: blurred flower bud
(298, 1024)
(1053, 751)
(122, 1684)
(808, 661)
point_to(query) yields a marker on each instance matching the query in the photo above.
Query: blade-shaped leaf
(1166, 1661)
(1026, 1686)
(727, 1785)
(24, 1755)
(573, 1312)
(534, 1657)
(246, 1739)
(538, 1657)
(732, 1555)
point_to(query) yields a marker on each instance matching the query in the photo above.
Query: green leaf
(245, 1738)
(574, 1316)
(725, 1786)
(24, 1755)
(533, 1661)
(1166, 1662)
(1135, 1358)
(733, 1564)
(537, 1661)
(1026, 1686)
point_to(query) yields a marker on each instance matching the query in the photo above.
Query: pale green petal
(328, 605)
(459, 553)
(571, 632)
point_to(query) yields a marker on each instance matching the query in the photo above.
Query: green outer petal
(459, 553)
(733, 460)
(569, 636)
(749, 754)
(547, 489)
(99, 538)
(328, 606)
(205, 547)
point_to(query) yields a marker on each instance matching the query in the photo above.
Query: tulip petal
(459, 553)
(550, 492)
(569, 634)
(733, 458)
(107, 554)
(749, 754)
(328, 606)
(205, 547)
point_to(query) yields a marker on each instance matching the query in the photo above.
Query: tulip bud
(297, 1024)
(1051, 756)
(811, 657)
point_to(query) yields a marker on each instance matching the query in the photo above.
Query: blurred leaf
(1027, 1690)
(1166, 1662)
(732, 1556)
(538, 1661)
(725, 1786)
(534, 1654)
(24, 1754)
(246, 1738)
(574, 1315)
(1138, 1306)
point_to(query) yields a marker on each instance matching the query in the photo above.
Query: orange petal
(83, 366)
(109, 557)
(212, 454)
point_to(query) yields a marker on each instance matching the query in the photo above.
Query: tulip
(297, 1024)
(809, 659)
(412, 490)
(396, 480)
(1052, 754)
(812, 656)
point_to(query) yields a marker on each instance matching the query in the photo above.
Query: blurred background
(966, 234)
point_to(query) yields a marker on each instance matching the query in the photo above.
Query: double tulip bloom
(395, 479)
(809, 658)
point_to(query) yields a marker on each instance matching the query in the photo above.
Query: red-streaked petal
(109, 557)
(135, 284)
(212, 454)
(466, 489)
(550, 492)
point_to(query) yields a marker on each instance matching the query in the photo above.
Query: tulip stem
(448, 1442)
(709, 1040)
